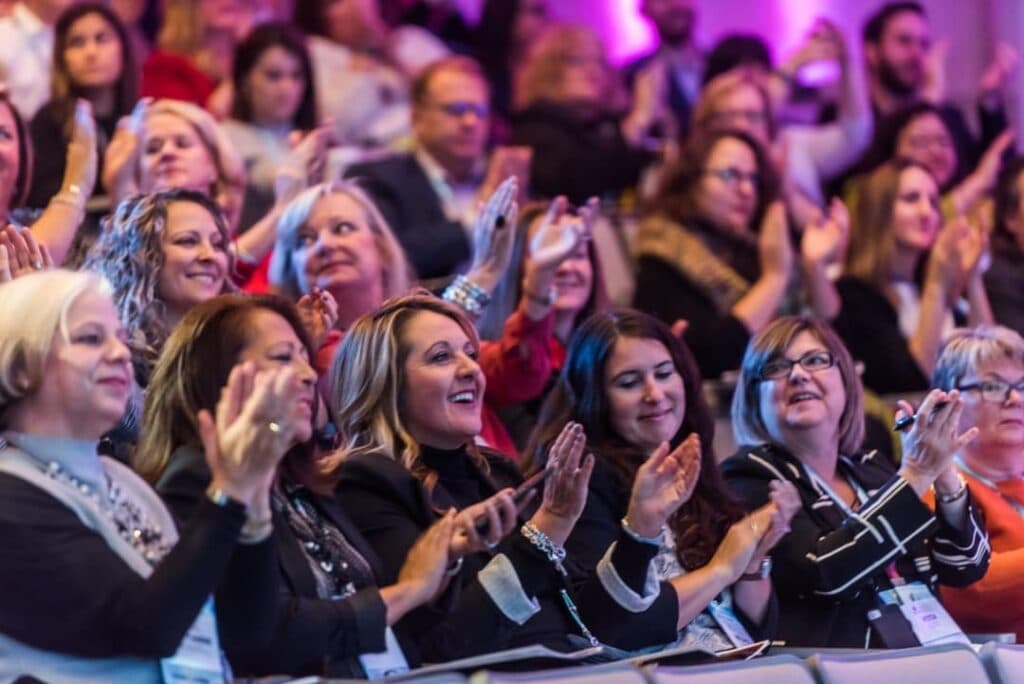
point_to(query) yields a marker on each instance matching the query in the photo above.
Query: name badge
(929, 621)
(390, 661)
(730, 624)
(198, 659)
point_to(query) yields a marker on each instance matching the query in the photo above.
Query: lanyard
(1016, 505)
(862, 496)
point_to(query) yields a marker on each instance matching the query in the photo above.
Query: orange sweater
(996, 602)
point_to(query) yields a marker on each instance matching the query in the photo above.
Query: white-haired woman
(986, 364)
(98, 584)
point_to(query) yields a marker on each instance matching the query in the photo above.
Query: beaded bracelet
(467, 295)
(555, 554)
(255, 531)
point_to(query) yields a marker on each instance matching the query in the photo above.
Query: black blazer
(311, 636)
(577, 152)
(392, 509)
(828, 569)
(601, 524)
(436, 247)
(66, 591)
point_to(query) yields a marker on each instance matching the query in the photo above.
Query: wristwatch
(763, 571)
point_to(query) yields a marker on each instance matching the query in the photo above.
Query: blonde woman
(84, 531)
(407, 398)
(907, 278)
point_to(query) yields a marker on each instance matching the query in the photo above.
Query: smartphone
(482, 524)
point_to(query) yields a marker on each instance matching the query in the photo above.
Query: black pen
(906, 421)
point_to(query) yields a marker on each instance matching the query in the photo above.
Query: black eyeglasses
(995, 391)
(812, 362)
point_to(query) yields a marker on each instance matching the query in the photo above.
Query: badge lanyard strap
(862, 498)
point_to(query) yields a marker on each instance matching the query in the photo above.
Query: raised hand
(21, 253)
(82, 155)
(999, 70)
(824, 238)
(121, 157)
(565, 491)
(319, 313)
(934, 88)
(250, 430)
(560, 234)
(305, 163)
(933, 439)
(662, 484)
(774, 247)
(787, 503)
(494, 236)
(737, 550)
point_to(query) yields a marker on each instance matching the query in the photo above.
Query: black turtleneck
(457, 474)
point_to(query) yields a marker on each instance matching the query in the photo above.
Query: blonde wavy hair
(33, 311)
(396, 271)
(367, 378)
(228, 190)
(709, 102)
(129, 255)
(540, 76)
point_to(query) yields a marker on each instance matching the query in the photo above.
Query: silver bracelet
(555, 554)
(955, 496)
(467, 295)
(255, 530)
(454, 568)
(653, 541)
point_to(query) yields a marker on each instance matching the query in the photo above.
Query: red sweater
(517, 369)
(175, 77)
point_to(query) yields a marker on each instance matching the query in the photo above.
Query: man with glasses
(987, 365)
(430, 196)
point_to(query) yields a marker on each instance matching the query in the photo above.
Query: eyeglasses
(730, 175)
(922, 141)
(812, 362)
(995, 391)
(460, 109)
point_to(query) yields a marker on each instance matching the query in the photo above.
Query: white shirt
(26, 53)
(458, 200)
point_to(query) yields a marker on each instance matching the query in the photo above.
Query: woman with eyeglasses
(986, 364)
(908, 279)
(715, 250)
(863, 536)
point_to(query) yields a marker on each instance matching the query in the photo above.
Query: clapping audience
(340, 294)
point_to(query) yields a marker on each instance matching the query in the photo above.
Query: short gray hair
(281, 272)
(33, 309)
(966, 349)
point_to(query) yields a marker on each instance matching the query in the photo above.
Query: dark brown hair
(676, 198)
(64, 90)
(580, 395)
(193, 368)
(248, 54)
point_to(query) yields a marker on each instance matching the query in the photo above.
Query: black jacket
(309, 635)
(601, 524)
(66, 591)
(577, 152)
(828, 569)
(392, 509)
(435, 246)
